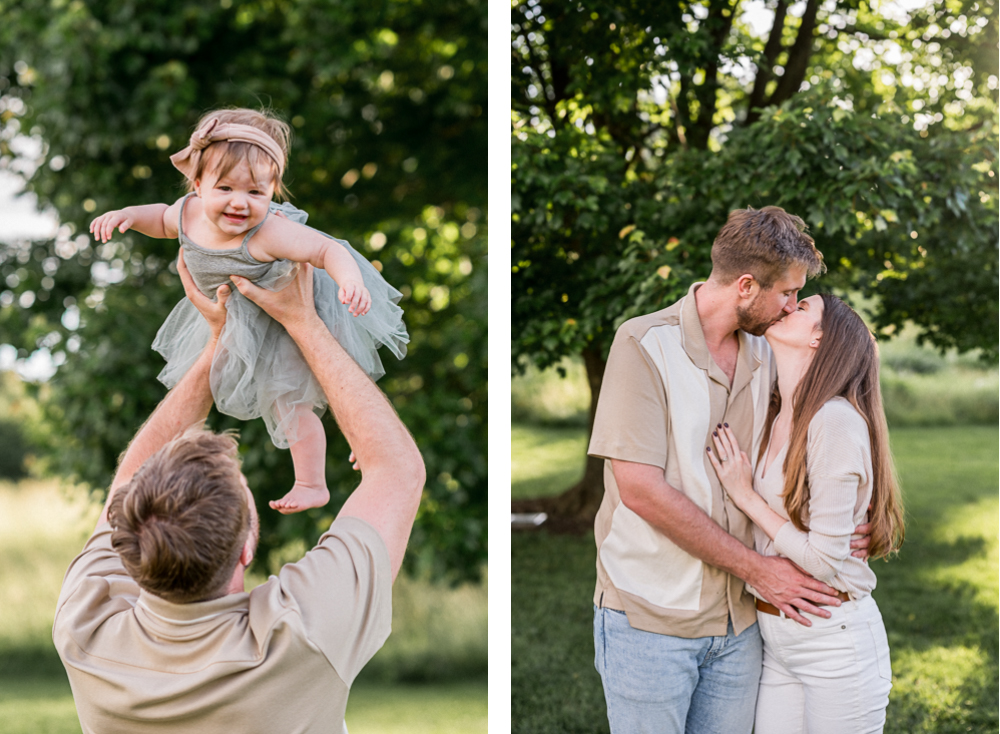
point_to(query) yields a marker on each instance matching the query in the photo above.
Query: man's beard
(752, 320)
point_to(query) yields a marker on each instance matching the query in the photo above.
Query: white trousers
(832, 677)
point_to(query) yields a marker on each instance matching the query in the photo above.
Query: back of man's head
(764, 243)
(180, 524)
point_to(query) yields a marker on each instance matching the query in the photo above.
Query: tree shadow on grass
(943, 630)
(556, 689)
(933, 616)
(554, 686)
(34, 660)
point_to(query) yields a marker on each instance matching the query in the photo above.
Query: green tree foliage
(638, 127)
(17, 414)
(386, 101)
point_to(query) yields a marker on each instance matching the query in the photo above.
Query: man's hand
(292, 306)
(213, 311)
(859, 546)
(786, 586)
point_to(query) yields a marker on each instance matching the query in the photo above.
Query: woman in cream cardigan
(823, 467)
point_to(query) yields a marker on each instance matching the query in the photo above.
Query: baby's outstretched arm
(149, 219)
(338, 262)
(281, 238)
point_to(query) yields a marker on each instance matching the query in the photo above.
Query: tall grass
(950, 397)
(42, 527)
(438, 634)
(556, 396)
(921, 387)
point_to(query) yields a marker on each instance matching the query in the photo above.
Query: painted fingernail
(718, 425)
(715, 433)
(727, 425)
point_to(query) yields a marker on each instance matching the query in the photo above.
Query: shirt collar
(692, 336)
(178, 620)
(693, 339)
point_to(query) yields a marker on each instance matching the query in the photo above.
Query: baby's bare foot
(301, 497)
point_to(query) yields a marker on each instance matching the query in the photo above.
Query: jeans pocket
(599, 640)
(881, 645)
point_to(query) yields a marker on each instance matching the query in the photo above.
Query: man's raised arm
(391, 466)
(187, 404)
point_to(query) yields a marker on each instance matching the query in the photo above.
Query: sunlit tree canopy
(637, 127)
(387, 107)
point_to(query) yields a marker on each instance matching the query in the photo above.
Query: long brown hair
(845, 365)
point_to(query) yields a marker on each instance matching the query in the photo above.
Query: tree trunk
(798, 57)
(765, 69)
(719, 23)
(574, 510)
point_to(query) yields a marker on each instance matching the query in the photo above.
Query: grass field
(45, 706)
(939, 597)
(436, 630)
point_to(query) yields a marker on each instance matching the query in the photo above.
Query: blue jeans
(671, 685)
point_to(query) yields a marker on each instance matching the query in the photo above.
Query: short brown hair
(223, 156)
(765, 244)
(180, 524)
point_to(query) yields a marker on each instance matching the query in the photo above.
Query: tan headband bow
(213, 131)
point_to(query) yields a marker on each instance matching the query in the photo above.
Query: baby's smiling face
(237, 202)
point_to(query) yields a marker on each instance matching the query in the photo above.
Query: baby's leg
(309, 457)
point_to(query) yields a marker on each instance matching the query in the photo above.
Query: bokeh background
(387, 104)
(636, 128)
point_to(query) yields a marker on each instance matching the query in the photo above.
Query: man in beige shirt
(676, 637)
(153, 624)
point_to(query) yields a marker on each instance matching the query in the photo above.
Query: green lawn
(939, 597)
(436, 630)
(545, 461)
(38, 705)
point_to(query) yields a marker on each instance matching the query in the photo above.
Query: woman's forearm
(808, 550)
(823, 549)
(754, 507)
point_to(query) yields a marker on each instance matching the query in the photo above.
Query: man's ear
(747, 286)
(246, 555)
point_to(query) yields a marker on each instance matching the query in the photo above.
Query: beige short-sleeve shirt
(280, 658)
(661, 397)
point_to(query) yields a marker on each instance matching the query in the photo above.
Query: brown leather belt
(763, 606)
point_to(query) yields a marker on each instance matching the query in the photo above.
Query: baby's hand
(104, 226)
(356, 295)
